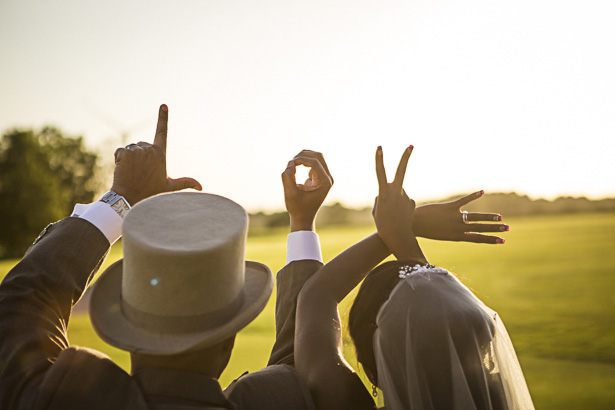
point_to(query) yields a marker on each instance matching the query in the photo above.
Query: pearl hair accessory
(407, 270)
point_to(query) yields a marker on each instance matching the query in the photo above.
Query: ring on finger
(464, 217)
(129, 146)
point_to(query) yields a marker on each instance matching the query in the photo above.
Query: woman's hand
(394, 211)
(445, 222)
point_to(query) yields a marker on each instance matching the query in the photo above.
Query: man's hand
(304, 200)
(141, 169)
(445, 222)
(394, 211)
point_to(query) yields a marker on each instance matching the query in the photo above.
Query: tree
(42, 176)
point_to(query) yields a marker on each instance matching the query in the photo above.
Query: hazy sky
(494, 95)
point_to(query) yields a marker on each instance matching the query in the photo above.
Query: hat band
(182, 324)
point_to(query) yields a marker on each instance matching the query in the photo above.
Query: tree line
(43, 174)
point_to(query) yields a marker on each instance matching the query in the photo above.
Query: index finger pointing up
(401, 168)
(160, 139)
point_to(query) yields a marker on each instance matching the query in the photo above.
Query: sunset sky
(501, 96)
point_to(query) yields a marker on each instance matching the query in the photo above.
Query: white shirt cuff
(102, 216)
(303, 245)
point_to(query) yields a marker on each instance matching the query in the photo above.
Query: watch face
(120, 207)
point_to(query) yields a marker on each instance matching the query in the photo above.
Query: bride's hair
(374, 291)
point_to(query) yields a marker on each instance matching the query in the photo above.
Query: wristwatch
(117, 202)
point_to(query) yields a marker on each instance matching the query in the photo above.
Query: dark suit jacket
(38, 369)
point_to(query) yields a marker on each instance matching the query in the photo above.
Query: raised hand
(141, 169)
(394, 211)
(445, 222)
(304, 200)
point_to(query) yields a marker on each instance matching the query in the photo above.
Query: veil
(437, 346)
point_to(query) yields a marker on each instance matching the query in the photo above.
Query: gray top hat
(184, 283)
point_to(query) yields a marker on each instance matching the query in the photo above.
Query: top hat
(184, 283)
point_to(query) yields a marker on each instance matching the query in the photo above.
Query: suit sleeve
(36, 299)
(289, 282)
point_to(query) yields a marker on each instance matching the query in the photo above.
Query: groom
(175, 302)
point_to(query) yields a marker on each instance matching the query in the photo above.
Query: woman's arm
(318, 336)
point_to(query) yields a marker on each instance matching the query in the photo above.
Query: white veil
(437, 346)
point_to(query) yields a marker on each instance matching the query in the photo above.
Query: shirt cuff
(303, 245)
(102, 216)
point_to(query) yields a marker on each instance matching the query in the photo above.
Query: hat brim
(114, 328)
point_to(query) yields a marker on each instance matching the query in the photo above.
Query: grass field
(553, 284)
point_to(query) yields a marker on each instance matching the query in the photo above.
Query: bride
(421, 336)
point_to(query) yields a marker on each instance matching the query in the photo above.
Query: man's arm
(37, 295)
(303, 247)
(36, 298)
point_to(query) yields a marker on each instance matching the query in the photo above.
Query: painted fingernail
(482, 191)
(411, 147)
(501, 240)
(504, 228)
(164, 107)
(497, 218)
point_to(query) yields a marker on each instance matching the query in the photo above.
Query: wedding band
(464, 217)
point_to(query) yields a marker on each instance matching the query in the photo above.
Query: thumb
(468, 198)
(177, 184)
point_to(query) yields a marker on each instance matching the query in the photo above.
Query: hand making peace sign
(394, 211)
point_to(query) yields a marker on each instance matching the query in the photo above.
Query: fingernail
(379, 147)
(411, 147)
(501, 240)
(497, 218)
(164, 107)
(504, 228)
(482, 192)
(290, 164)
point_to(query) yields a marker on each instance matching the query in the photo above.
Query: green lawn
(553, 283)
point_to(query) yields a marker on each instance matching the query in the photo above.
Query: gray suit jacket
(38, 369)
